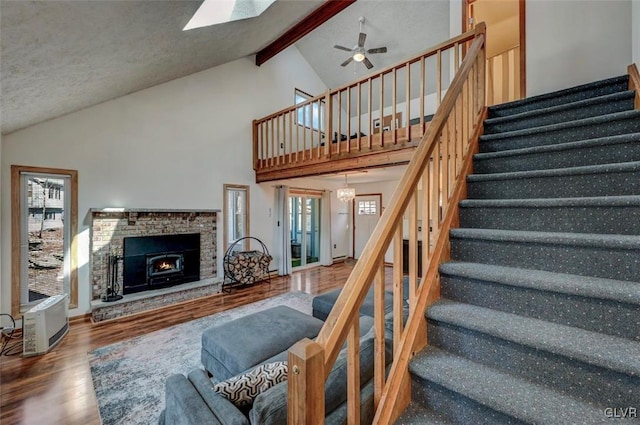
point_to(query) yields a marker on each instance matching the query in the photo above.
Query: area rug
(129, 376)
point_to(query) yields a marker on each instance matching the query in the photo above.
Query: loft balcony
(376, 121)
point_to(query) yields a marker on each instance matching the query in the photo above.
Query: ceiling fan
(358, 51)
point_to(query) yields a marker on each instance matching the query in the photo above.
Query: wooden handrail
(440, 161)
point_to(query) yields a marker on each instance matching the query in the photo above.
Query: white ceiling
(406, 28)
(61, 56)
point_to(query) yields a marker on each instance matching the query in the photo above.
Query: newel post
(305, 388)
(255, 145)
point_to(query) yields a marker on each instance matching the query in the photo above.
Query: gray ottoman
(236, 346)
(322, 304)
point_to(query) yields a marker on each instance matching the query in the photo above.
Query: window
(46, 264)
(312, 115)
(367, 207)
(236, 214)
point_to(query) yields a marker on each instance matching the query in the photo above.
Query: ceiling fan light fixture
(358, 56)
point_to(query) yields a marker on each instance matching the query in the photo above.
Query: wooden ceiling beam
(319, 16)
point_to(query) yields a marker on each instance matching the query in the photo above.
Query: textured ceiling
(61, 56)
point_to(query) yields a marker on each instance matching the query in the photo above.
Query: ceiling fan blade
(347, 62)
(367, 63)
(361, 39)
(346, 49)
(378, 50)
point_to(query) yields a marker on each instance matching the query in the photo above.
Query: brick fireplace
(114, 231)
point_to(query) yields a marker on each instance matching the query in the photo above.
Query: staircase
(539, 320)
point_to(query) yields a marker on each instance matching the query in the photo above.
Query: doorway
(505, 20)
(366, 213)
(304, 216)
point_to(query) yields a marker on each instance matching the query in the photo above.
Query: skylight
(213, 12)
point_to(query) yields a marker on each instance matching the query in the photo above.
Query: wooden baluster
(439, 76)
(412, 208)
(423, 76)
(394, 101)
(254, 127)
(339, 135)
(290, 138)
(349, 119)
(456, 56)
(305, 387)
(278, 142)
(359, 115)
(407, 117)
(297, 135)
(426, 218)
(369, 105)
(379, 343)
(319, 154)
(273, 143)
(381, 109)
(304, 135)
(445, 170)
(353, 373)
(398, 287)
(435, 191)
(328, 124)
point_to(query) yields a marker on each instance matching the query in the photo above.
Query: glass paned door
(305, 230)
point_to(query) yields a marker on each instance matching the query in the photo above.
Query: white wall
(570, 43)
(635, 24)
(170, 146)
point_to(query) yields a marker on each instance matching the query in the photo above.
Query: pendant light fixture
(346, 193)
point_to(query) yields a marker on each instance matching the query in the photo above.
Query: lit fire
(165, 265)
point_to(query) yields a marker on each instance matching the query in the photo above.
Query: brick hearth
(109, 228)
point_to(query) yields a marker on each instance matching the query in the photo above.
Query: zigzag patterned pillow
(241, 390)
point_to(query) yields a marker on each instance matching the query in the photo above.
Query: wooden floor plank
(56, 388)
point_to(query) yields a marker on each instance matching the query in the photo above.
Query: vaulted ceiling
(58, 57)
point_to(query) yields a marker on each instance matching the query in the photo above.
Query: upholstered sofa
(192, 400)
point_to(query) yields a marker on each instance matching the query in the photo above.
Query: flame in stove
(165, 265)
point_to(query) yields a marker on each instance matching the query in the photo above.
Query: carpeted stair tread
(586, 202)
(416, 414)
(555, 238)
(582, 286)
(624, 167)
(601, 141)
(592, 121)
(503, 392)
(593, 348)
(572, 94)
(605, 104)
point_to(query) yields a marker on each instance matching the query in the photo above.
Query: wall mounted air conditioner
(45, 325)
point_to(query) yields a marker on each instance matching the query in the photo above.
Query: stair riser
(595, 155)
(587, 381)
(572, 134)
(560, 99)
(616, 183)
(620, 264)
(455, 407)
(604, 316)
(573, 114)
(619, 220)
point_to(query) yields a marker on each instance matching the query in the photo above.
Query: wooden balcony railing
(439, 165)
(388, 112)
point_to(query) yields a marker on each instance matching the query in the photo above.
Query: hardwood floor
(56, 388)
